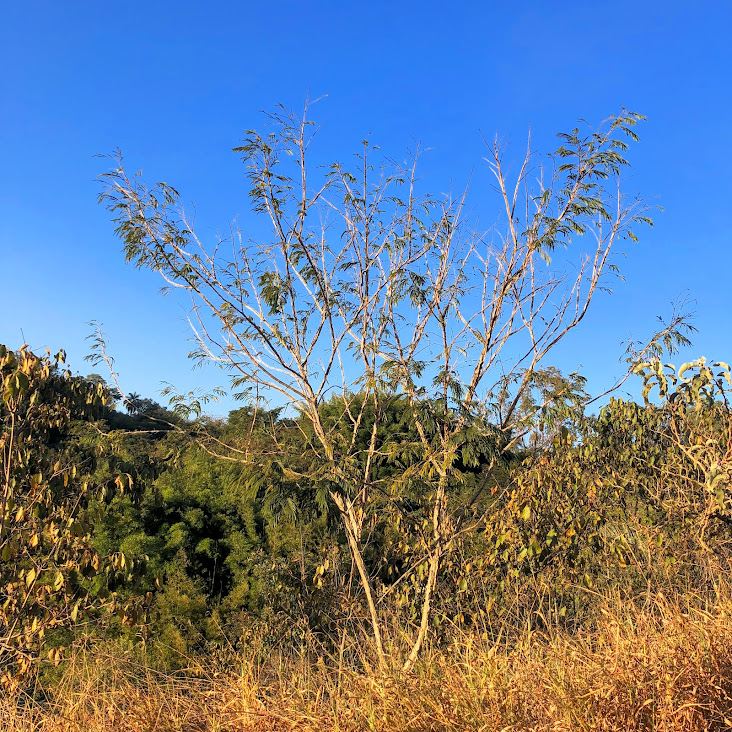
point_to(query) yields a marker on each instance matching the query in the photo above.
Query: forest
(414, 520)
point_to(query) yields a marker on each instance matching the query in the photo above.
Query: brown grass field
(643, 667)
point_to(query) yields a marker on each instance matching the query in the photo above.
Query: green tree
(366, 288)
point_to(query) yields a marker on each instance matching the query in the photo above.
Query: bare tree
(368, 288)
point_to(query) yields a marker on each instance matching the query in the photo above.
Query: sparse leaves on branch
(365, 289)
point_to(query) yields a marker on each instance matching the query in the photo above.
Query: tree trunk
(351, 532)
(438, 514)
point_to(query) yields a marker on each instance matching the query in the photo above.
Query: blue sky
(176, 84)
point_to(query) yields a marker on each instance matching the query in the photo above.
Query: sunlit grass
(643, 667)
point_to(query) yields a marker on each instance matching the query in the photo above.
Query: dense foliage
(132, 512)
(58, 471)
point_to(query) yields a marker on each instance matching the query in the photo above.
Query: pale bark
(323, 306)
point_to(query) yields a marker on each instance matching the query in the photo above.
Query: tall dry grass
(649, 667)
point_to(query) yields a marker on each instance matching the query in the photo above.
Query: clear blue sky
(175, 84)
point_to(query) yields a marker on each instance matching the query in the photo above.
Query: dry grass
(654, 669)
